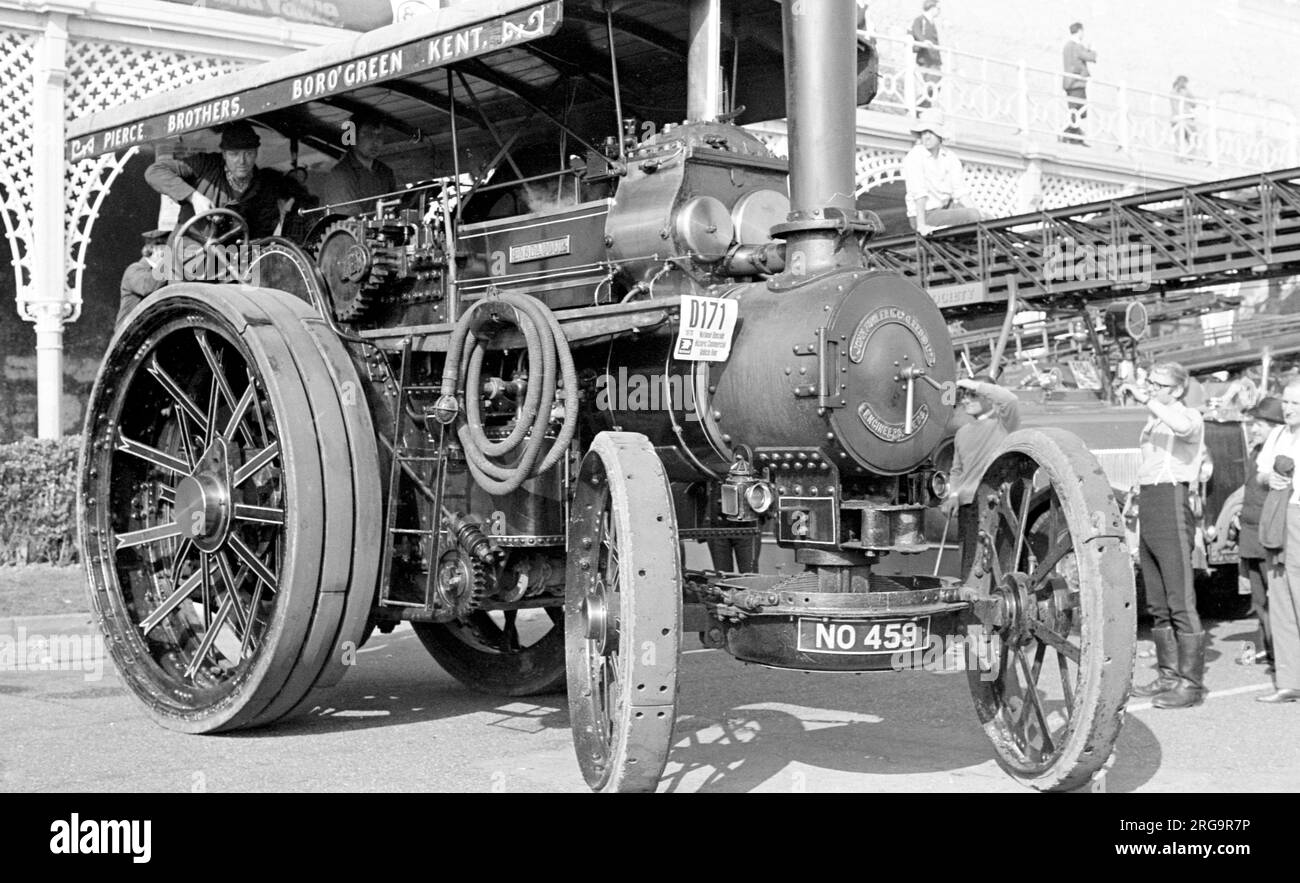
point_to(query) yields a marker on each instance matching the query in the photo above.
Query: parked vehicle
(477, 406)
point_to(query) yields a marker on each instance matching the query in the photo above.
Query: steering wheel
(219, 227)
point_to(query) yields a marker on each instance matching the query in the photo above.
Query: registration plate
(861, 637)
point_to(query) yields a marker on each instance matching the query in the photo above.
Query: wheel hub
(595, 615)
(203, 505)
(1017, 606)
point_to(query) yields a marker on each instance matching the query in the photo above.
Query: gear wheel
(355, 270)
(462, 582)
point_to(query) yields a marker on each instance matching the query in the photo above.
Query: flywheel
(355, 271)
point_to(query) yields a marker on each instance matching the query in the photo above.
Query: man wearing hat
(145, 276)
(359, 175)
(937, 195)
(1264, 417)
(229, 179)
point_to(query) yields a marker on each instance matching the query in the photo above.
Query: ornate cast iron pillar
(44, 300)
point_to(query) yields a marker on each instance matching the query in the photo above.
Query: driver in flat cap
(229, 179)
(145, 276)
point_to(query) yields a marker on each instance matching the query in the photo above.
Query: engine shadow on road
(789, 731)
(400, 684)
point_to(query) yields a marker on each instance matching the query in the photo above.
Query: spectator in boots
(1171, 448)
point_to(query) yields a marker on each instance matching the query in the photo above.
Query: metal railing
(998, 97)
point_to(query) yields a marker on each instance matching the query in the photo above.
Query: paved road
(398, 723)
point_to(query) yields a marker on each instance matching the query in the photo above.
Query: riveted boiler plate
(704, 228)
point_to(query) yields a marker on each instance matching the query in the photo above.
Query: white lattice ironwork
(876, 167)
(1060, 191)
(102, 75)
(17, 62)
(994, 188)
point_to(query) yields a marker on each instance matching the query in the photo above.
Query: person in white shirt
(1172, 444)
(937, 195)
(1284, 568)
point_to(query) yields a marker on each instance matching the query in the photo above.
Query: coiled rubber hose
(548, 349)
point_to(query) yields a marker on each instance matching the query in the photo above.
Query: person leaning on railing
(937, 194)
(1076, 56)
(925, 46)
(1182, 106)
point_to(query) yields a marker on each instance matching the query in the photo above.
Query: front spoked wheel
(1058, 610)
(230, 550)
(622, 614)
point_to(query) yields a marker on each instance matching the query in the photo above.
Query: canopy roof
(510, 73)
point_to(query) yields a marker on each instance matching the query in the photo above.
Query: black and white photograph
(546, 397)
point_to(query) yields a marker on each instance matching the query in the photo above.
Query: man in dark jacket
(229, 179)
(929, 63)
(359, 175)
(1075, 60)
(1266, 415)
(145, 276)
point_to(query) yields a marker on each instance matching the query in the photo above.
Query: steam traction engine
(410, 420)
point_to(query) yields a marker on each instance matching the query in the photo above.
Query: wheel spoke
(255, 463)
(1039, 655)
(1061, 546)
(187, 441)
(259, 514)
(152, 455)
(257, 412)
(232, 581)
(209, 638)
(247, 643)
(1031, 693)
(237, 415)
(178, 560)
(1066, 687)
(1059, 642)
(163, 610)
(205, 568)
(259, 570)
(1022, 522)
(167, 494)
(228, 235)
(147, 535)
(219, 374)
(178, 395)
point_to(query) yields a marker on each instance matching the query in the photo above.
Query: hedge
(38, 501)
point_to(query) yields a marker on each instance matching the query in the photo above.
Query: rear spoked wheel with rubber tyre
(1057, 603)
(229, 506)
